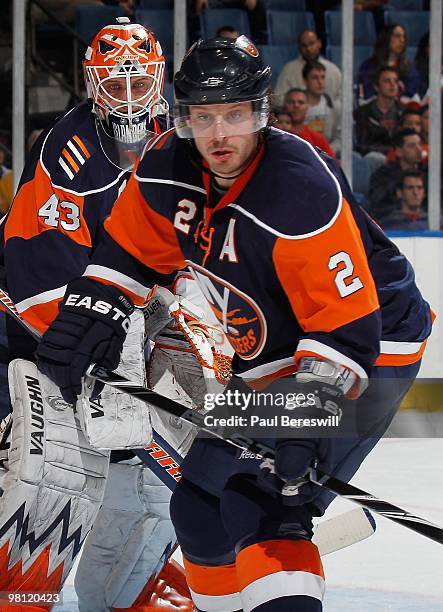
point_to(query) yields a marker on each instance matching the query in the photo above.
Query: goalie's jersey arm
(336, 319)
(66, 190)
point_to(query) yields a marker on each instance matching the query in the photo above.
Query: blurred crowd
(390, 95)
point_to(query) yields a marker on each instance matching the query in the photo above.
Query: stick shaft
(336, 486)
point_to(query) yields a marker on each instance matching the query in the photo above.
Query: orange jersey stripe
(259, 560)
(30, 216)
(41, 316)
(81, 145)
(213, 581)
(144, 233)
(320, 290)
(70, 159)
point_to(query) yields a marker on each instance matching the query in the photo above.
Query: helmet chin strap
(196, 159)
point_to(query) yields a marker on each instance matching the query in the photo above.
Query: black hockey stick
(336, 486)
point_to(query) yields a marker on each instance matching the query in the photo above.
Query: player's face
(309, 46)
(316, 82)
(225, 135)
(117, 90)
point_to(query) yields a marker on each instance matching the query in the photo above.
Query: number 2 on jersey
(51, 213)
(344, 288)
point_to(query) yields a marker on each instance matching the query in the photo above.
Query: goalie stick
(336, 486)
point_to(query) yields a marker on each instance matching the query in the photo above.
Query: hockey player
(310, 292)
(68, 187)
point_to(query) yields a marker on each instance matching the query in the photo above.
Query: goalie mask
(124, 75)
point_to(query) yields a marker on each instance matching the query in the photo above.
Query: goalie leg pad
(52, 489)
(130, 542)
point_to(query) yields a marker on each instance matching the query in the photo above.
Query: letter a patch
(228, 248)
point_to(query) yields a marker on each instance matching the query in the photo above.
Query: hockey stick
(159, 456)
(329, 535)
(336, 486)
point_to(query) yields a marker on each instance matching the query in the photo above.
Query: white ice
(395, 569)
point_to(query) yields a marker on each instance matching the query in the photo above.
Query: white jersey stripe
(40, 298)
(217, 603)
(271, 230)
(400, 348)
(167, 182)
(268, 368)
(65, 168)
(117, 277)
(282, 584)
(76, 152)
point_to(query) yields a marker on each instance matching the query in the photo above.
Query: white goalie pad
(131, 539)
(53, 487)
(117, 420)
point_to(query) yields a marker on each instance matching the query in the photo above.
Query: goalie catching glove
(183, 364)
(90, 327)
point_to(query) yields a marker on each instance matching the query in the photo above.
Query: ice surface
(395, 569)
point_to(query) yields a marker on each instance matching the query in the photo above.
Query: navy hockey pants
(219, 509)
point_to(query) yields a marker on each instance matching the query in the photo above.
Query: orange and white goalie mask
(124, 74)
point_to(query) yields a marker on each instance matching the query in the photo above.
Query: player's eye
(235, 116)
(203, 119)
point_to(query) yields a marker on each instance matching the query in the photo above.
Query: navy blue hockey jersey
(285, 259)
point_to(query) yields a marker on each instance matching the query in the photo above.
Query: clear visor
(126, 90)
(221, 120)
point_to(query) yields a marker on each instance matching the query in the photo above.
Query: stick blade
(343, 530)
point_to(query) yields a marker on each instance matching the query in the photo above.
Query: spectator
(410, 214)
(297, 105)
(64, 10)
(389, 50)
(411, 119)
(227, 31)
(377, 9)
(309, 45)
(422, 64)
(384, 181)
(3, 167)
(32, 138)
(283, 120)
(425, 124)
(255, 8)
(6, 191)
(323, 114)
(377, 120)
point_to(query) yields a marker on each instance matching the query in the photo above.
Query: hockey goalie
(58, 483)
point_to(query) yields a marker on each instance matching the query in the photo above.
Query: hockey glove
(90, 328)
(323, 387)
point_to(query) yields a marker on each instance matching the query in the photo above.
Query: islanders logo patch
(240, 317)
